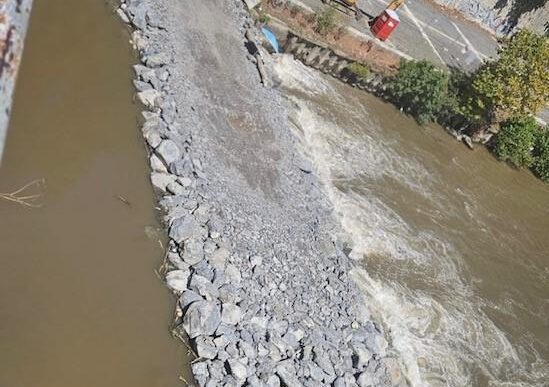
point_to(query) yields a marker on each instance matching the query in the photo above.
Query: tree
(461, 106)
(515, 141)
(541, 155)
(420, 88)
(518, 82)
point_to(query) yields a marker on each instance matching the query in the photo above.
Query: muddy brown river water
(80, 304)
(452, 245)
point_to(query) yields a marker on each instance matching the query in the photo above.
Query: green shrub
(362, 72)
(419, 88)
(325, 21)
(264, 18)
(517, 83)
(515, 141)
(541, 155)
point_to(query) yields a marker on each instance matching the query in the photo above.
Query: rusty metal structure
(14, 19)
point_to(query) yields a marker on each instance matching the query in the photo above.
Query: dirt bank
(262, 279)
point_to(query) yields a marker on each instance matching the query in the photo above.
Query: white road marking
(422, 31)
(467, 42)
(441, 33)
(385, 45)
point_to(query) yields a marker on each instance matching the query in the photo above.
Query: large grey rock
(377, 344)
(231, 314)
(122, 15)
(293, 337)
(228, 293)
(177, 280)
(142, 86)
(144, 73)
(362, 353)
(205, 347)
(157, 165)
(149, 98)
(273, 381)
(219, 258)
(252, 3)
(321, 358)
(158, 59)
(259, 322)
(175, 188)
(188, 297)
(152, 137)
(366, 379)
(256, 260)
(193, 251)
(233, 274)
(168, 151)
(200, 372)
(238, 368)
(316, 372)
(217, 372)
(205, 270)
(203, 287)
(161, 180)
(287, 372)
(183, 228)
(248, 349)
(175, 260)
(202, 318)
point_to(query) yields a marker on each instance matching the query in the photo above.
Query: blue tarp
(271, 38)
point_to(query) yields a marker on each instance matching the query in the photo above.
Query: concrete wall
(324, 59)
(14, 18)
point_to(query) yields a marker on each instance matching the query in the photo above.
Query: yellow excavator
(395, 4)
(350, 7)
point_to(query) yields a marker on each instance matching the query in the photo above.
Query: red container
(385, 24)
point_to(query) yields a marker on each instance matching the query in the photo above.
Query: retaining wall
(329, 62)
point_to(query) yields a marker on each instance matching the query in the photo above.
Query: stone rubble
(254, 254)
(501, 17)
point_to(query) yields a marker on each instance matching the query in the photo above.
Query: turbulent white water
(411, 228)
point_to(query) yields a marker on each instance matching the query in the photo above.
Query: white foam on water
(419, 289)
(296, 76)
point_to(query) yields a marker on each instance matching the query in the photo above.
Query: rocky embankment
(504, 17)
(263, 285)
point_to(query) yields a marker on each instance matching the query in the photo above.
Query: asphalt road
(426, 33)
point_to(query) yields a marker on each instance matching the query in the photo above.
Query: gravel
(255, 256)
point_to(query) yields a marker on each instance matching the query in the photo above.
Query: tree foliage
(461, 107)
(515, 141)
(541, 155)
(420, 88)
(518, 82)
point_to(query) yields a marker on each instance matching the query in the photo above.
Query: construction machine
(350, 7)
(395, 4)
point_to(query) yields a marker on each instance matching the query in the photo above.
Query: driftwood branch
(25, 196)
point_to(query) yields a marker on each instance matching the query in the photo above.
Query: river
(452, 245)
(80, 304)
